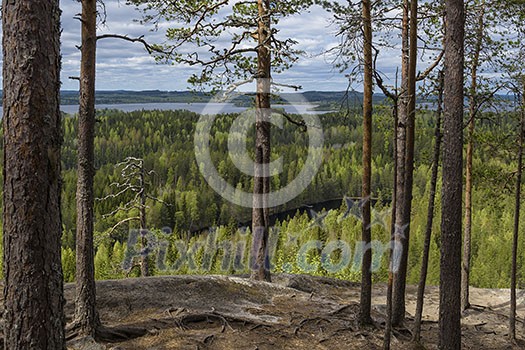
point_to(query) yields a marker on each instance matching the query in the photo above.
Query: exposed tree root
(317, 320)
(119, 334)
(402, 333)
(107, 334)
(183, 322)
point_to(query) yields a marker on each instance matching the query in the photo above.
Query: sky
(122, 65)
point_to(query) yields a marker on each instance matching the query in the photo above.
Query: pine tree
(33, 291)
(450, 276)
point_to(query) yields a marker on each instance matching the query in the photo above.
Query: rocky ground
(294, 312)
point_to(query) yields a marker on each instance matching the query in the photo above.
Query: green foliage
(103, 263)
(164, 140)
(68, 264)
(227, 34)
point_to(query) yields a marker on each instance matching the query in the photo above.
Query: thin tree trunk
(405, 157)
(450, 265)
(388, 325)
(86, 317)
(144, 266)
(467, 240)
(398, 308)
(512, 318)
(467, 234)
(33, 292)
(260, 213)
(430, 216)
(366, 273)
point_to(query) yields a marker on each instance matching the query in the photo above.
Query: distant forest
(164, 139)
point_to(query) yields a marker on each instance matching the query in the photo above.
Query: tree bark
(467, 236)
(33, 292)
(86, 316)
(450, 273)
(514, 268)
(260, 269)
(144, 265)
(366, 237)
(406, 133)
(430, 216)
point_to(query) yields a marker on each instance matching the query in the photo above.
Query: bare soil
(294, 312)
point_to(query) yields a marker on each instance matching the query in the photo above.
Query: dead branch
(295, 87)
(111, 230)
(150, 48)
(426, 73)
(300, 124)
(233, 87)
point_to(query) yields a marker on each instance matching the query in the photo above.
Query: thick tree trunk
(33, 292)
(86, 317)
(260, 212)
(366, 237)
(514, 268)
(430, 216)
(406, 132)
(467, 239)
(450, 275)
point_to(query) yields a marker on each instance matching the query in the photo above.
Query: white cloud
(127, 66)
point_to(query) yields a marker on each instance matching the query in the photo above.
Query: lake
(206, 108)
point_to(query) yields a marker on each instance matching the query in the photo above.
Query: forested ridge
(164, 139)
(327, 99)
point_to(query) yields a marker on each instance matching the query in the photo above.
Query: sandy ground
(294, 312)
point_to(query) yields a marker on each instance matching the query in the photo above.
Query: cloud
(127, 66)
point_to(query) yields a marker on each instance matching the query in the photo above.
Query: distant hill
(69, 97)
(325, 100)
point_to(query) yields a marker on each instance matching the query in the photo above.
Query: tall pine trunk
(467, 234)
(86, 317)
(430, 215)
(33, 291)
(366, 237)
(406, 133)
(514, 268)
(450, 265)
(261, 187)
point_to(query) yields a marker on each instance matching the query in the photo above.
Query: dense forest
(164, 139)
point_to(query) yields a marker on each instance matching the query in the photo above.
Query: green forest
(164, 139)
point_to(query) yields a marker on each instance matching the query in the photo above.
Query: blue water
(207, 108)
